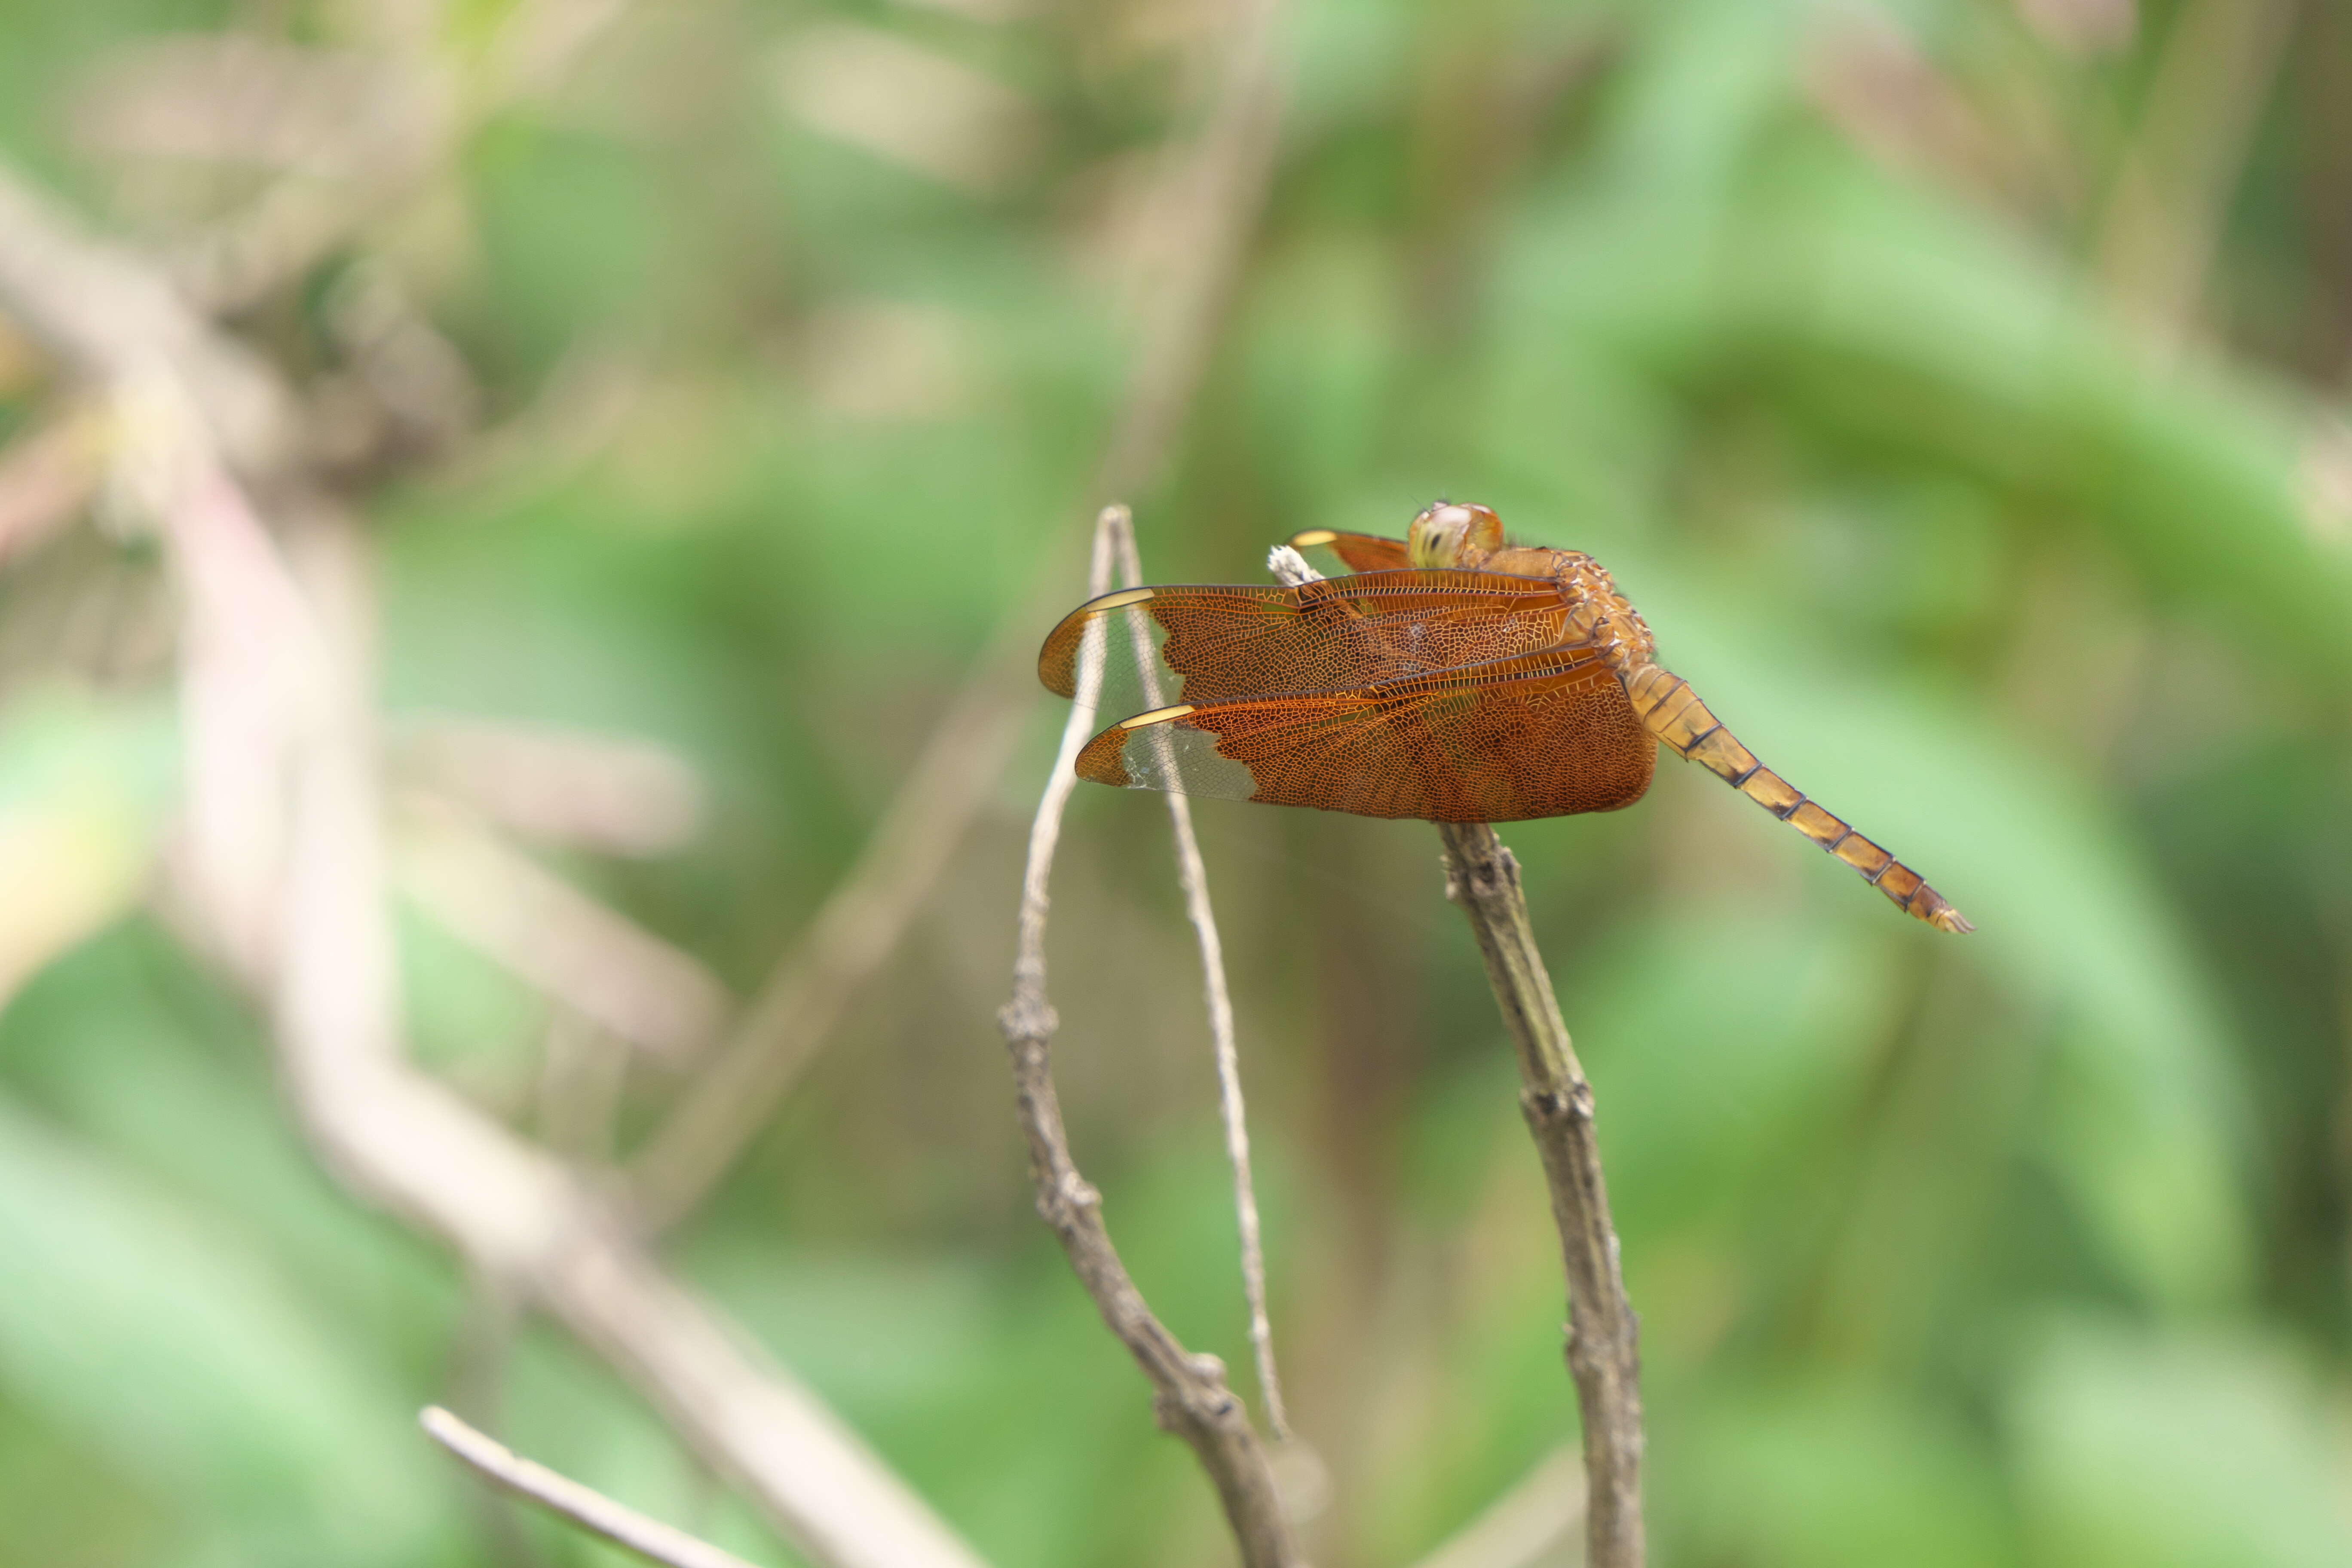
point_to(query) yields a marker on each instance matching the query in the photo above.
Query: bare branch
(616, 794)
(422, 1152)
(566, 1499)
(287, 693)
(113, 320)
(1193, 876)
(861, 922)
(1602, 1344)
(572, 948)
(1194, 1400)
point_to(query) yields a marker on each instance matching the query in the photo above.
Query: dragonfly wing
(1545, 735)
(1359, 551)
(1672, 712)
(1215, 643)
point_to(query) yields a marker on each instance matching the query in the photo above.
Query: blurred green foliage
(1820, 324)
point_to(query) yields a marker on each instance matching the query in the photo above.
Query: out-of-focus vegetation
(1956, 385)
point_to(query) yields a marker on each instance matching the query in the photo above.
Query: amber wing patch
(1216, 643)
(1545, 735)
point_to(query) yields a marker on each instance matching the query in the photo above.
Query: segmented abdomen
(1673, 713)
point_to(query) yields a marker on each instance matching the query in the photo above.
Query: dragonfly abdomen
(1672, 712)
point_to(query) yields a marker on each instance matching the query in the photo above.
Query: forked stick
(1193, 1401)
(1193, 875)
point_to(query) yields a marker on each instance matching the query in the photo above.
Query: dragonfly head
(1449, 534)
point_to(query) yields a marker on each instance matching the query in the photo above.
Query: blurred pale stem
(326, 964)
(584, 1074)
(851, 938)
(566, 1499)
(1193, 1401)
(583, 956)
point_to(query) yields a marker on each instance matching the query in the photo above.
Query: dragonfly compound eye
(1448, 535)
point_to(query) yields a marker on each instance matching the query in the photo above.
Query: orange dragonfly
(1451, 675)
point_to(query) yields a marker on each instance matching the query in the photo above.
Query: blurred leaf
(1891, 322)
(1707, 1100)
(2068, 918)
(160, 1337)
(570, 226)
(1819, 1477)
(1895, 321)
(146, 1057)
(81, 785)
(66, 1505)
(2181, 1450)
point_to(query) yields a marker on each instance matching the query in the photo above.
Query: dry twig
(1193, 1401)
(567, 1499)
(1602, 1340)
(1193, 876)
(1221, 187)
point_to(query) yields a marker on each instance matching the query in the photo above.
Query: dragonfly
(1449, 675)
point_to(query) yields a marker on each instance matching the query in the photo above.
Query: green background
(1829, 329)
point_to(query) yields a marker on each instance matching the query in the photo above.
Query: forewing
(1214, 644)
(1357, 552)
(1547, 735)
